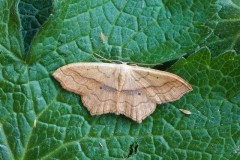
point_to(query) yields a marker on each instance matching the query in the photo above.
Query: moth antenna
(108, 60)
(143, 64)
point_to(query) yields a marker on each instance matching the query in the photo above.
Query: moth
(121, 89)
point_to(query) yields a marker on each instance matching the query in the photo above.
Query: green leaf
(40, 120)
(138, 31)
(225, 28)
(10, 39)
(33, 14)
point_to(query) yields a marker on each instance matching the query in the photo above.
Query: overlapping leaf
(33, 14)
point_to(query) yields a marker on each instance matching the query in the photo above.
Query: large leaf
(139, 31)
(39, 120)
(225, 28)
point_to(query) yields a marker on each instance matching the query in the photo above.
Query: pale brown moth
(121, 89)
